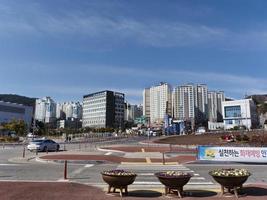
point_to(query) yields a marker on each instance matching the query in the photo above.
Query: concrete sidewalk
(74, 191)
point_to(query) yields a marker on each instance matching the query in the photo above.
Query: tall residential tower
(160, 102)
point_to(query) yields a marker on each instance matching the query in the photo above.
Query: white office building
(13, 111)
(160, 102)
(103, 109)
(215, 100)
(239, 113)
(45, 110)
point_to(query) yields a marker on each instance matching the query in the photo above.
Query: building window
(232, 111)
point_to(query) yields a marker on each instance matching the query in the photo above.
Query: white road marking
(6, 164)
(197, 178)
(108, 153)
(88, 165)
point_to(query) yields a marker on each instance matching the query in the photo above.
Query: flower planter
(173, 180)
(231, 179)
(118, 179)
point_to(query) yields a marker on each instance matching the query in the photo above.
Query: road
(88, 172)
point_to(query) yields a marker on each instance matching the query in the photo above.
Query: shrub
(238, 138)
(246, 138)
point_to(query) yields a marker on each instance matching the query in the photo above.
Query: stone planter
(118, 179)
(173, 180)
(230, 179)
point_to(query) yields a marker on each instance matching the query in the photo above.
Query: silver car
(43, 145)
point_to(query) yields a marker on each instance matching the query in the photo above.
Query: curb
(38, 159)
(110, 150)
(20, 160)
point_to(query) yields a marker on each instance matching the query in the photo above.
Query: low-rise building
(13, 111)
(239, 113)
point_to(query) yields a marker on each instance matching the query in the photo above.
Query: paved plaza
(42, 176)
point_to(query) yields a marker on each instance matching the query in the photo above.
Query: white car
(43, 145)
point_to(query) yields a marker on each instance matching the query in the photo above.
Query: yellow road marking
(148, 160)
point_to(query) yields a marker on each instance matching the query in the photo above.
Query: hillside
(260, 101)
(13, 98)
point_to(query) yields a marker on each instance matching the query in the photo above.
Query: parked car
(201, 130)
(43, 145)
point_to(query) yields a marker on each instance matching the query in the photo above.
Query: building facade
(131, 112)
(215, 100)
(184, 102)
(68, 110)
(13, 111)
(160, 102)
(103, 109)
(201, 102)
(146, 103)
(45, 110)
(239, 113)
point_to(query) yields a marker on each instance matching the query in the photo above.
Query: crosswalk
(146, 178)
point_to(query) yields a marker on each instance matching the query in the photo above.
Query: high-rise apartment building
(190, 102)
(184, 102)
(131, 112)
(45, 110)
(201, 102)
(215, 100)
(69, 110)
(160, 102)
(146, 103)
(103, 109)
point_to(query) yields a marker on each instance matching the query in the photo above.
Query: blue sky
(66, 49)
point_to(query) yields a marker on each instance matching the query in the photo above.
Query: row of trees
(17, 126)
(41, 129)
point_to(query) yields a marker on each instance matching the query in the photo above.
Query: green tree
(16, 125)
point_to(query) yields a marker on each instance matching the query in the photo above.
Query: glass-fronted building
(13, 111)
(239, 113)
(103, 109)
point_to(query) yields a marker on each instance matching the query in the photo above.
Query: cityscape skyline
(66, 49)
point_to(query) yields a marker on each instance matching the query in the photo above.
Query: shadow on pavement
(144, 193)
(255, 191)
(199, 193)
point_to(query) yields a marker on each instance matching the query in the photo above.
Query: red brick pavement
(115, 159)
(75, 191)
(151, 149)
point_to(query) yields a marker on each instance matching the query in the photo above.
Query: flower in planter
(230, 172)
(118, 172)
(172, 174)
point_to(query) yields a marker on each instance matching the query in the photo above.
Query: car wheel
(57, 148)
(45, 149)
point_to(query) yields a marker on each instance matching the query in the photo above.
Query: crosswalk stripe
(89, 165)
(7, 164)
(147, 172)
